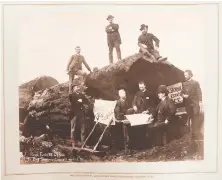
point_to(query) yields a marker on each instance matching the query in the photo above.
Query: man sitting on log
(74, 67)
(145, 42)
(78, 101)
(143, 102)
(165, 114)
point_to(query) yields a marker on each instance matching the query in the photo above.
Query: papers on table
(139, 119)
(104, 112)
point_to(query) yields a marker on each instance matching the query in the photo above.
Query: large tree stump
(53, 104)
(27, 91)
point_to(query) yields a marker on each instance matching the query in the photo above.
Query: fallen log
(27, 91)
(126, 73)
(53, 104)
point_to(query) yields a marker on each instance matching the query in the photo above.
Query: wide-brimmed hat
(143, 26)
(162, 89)
(110, 17)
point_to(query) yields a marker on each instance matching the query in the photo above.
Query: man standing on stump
(192, 95)
(145, 42)
(74, 67)
(113, 38)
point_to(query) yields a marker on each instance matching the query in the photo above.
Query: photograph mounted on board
(96, 87)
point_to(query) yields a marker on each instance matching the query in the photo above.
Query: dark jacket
(148, 39)
(75, 63)
(144, 101)
(120, 109)
(165, 110)
(192, 88)
(77, 107)
(113, 36)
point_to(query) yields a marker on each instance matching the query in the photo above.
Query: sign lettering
(175, 93)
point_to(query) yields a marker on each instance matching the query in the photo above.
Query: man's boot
(161, 59)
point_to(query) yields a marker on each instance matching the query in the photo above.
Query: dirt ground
(176, 150)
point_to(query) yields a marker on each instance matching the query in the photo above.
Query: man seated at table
(165, 114)
(144, 101)
(120, 110)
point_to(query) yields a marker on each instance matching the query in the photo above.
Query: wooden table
(126, 125)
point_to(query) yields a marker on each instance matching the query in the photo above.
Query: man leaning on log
(145, 42)
(78, 116)
(74, 67)
(192, 95)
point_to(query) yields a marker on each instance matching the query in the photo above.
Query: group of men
(145, 43)
(164, 111)
(144, 101)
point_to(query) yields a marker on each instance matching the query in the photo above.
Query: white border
(11, 125)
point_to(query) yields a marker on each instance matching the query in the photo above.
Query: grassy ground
(177, 150)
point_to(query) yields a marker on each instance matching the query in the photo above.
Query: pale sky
(49, 34)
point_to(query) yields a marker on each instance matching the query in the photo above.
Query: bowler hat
(143, 26)
(109, 17)
(162, 89)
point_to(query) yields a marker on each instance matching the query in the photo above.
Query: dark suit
(78, 116)
(192, 89)
(113, 40)
(165, 110)
(121, 109)
(144, 101)
(74, 68)
(148, 39)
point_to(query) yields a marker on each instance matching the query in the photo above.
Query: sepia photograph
(111, 83)
(134, 106)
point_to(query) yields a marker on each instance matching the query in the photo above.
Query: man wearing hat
(145, 42)
(74, 67)
(165, 114)
(192, 95)
(113, 38)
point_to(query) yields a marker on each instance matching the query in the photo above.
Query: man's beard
(123, 98)
(187, 79)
